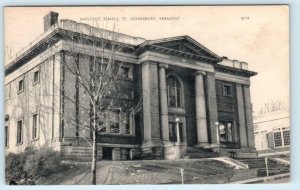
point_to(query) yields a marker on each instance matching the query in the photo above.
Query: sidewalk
(262, 179)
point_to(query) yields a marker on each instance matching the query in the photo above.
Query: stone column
(212, 107)
(241, 114)
(152, 143)
(202, 136)
(146, 101)
(249, 118)
(164, 121)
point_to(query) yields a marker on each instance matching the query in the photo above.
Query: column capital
(163, 65)
(148, 62)
(198, 72)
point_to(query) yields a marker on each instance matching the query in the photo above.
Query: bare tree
(271, 106)
(101, 79)
(102, 84)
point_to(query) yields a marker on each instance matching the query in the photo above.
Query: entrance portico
(183, 102)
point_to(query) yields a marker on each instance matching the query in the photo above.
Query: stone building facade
(192, 98)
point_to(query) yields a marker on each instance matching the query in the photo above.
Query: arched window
(174, 92)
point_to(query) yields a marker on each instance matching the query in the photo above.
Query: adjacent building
(192, 98)
(272, 132)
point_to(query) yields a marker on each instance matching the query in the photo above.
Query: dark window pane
(286, 137)
(19, 132)
(34, 127)
(127, 126)
(21, 85)
(174, 92)
(277, 139)
(124, 72)
(227, 91)
(173, 131)
(172, 97)
(178, 97)
(6, 136)
(36, 76)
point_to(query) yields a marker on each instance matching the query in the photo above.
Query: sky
(258, 35)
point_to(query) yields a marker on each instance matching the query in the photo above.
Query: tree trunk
(94, 157)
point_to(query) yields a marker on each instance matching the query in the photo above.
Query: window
(6, 137)
(36, 77)
(20, 132)
(125, 73)
(286, 137)
(173, 131)
(174, 92)
(21, 86)
(114, 122)
(227, 90)
(7, 92)
(226, 132)
(127, 125)
(277, 139)
(281, 137)
(34, 126)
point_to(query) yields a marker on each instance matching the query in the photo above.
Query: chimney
(50, 19)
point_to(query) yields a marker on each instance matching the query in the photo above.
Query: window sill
(37, 82)
(19, 144)
(19, 92)
(35, 139)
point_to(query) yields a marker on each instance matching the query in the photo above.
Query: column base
(168, 143)
(203, 145)
(175, 152)
(152, 149)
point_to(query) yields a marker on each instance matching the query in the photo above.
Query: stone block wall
(80, 152)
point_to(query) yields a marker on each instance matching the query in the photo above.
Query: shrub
(33, 164)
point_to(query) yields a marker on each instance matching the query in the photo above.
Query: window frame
(38, 77)
(121, 124)
(225, 92)
(284, 140)
(129, 73)
(233, 131)
(36, 137)
(23, 86)
(17, 132)
(6, 135)
(280, 131)
(178, 86)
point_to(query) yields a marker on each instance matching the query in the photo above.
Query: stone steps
(274, 167)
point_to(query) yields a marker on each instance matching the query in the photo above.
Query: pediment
(184, 44)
